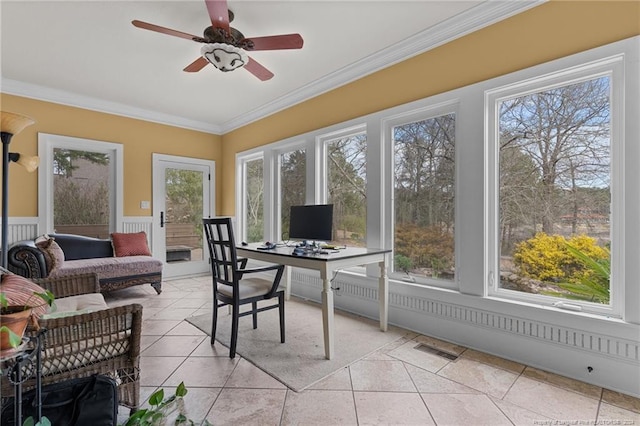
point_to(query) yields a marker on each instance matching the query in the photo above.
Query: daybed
(120, 262)
(84, 336)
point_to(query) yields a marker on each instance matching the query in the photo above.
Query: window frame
(553, 75)
(322, 166)
(241, 184)
(296, 145)
(448, 105)
(46, 145)
(473, 252)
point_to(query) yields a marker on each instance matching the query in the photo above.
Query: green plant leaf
(587, 290)
(44, 422)
(47, 296)
(156, 417)
(181, 390)
(156, 397)
(168, 401)
(135, 418)
(161, 409)
(594, 287)
(14, 339)
(182, 419)
(602, 269)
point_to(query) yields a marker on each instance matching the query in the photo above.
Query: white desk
(327, 264)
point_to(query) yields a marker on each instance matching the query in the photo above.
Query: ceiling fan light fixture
(223, 56)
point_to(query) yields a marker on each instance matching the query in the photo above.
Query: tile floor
(398, 385)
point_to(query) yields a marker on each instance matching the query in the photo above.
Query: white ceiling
(88, 54)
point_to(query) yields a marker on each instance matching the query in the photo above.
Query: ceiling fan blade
(163, 30)
(219, 13)
(196, 65)
(258, 70)
(284, 41)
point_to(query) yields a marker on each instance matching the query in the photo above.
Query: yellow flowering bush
(546, 258)
(588, 247)
(542, 257)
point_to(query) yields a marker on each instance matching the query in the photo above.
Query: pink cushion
(53, 254)
(111, 267)
(19, 291)
(130, 244)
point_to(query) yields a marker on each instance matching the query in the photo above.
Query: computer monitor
(311, 223)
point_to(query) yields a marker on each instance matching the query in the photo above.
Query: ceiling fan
(225, 47)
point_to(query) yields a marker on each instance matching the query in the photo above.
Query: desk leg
(327, 315)
(383, 295)
(287, 281)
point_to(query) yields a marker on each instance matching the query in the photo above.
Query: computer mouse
(244, 243)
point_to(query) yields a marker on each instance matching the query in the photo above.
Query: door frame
(158, 240)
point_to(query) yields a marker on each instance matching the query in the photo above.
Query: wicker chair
(101, 342)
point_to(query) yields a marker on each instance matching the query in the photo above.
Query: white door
(183, 193)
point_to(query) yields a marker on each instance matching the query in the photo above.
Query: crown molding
(462, 24)
(47, 94)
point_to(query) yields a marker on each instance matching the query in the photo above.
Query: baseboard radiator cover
(607, 361)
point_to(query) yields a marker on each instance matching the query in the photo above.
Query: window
(184, 208)
(81, 192)
(555, 191)
(528, 180)
(293, 168)
(253, 200)
(555, 172)
(424, 198)
(81, 182)
(346, 179)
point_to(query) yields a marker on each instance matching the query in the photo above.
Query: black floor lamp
(11, 124)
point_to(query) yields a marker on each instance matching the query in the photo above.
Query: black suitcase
(75, 402)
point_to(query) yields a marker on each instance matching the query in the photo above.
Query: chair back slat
(222, 249)
(227, 271)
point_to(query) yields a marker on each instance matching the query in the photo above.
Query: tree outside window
(254, 199)
(424, 195)
(555, 191)
(293, 172)
(346, 188)
(81, 192)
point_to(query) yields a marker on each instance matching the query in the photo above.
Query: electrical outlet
(145, 205)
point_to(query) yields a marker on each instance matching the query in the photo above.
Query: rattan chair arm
(95, 327)
(70, 285)
(134, 309)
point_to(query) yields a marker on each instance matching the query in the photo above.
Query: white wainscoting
(533, 336)
(139, 224)
(21, 228)
(26, 228)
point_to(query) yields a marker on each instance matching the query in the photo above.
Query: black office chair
(232, 287)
